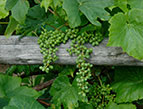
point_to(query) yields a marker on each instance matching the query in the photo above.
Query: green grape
(49, 40)
(82, 52)
(100, 96)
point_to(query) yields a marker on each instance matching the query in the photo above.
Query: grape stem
(99, 80)
(66, 24)
(53, 12)
(50, 10)
(43, 102)
(43, 85)
(109, 77)
(34, 33)
(3, 23)
(54, 27)
(103, 100)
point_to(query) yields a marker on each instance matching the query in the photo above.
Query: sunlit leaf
(11, 27)
(71, 8)
(20, 10)
(3, 12)
(136, 3)
(121, 4)
(46, 4)
(126, 32)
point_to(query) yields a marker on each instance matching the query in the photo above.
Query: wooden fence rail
(27, 51)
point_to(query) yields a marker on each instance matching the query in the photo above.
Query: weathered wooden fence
(27, 51)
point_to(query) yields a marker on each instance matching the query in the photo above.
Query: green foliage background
(120, 20)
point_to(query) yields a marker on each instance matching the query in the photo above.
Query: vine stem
(43, 85)
(109, 77)
(99, 80)
(53, 12)
(103, 100)
(43, 102)
(53, 27)
(3, 23)
(34, 33)
(66, 24)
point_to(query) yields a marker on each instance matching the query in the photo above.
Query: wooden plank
(27, 51)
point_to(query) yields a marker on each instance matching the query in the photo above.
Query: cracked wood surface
(27, 51)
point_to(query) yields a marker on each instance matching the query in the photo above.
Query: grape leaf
(19, 102)
(120, 106)
(36, 12)
(20, 10)
(128, 84)
(133, 4)
(10, 4)
(46, 4)
(24, 91)
(3, 12)
(126, 32)
(7, 84)
(122, 4)
(68, 70)
(71, 8)
(10, 86)
(36, 16)
(11, 27)
(136, 3)
(10, 107)
(95, 8)
(64, 93)
(11, 70)
(3, 102)
(56, 2)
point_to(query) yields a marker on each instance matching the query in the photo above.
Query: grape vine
(88, 20)
(100, 95)
(49, 42)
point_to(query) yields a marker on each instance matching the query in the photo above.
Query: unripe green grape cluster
(84, 69)
(49, 40)
(79, 49)
(100, 95)
(95, 40)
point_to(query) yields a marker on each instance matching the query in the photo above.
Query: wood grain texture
(27, 51)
